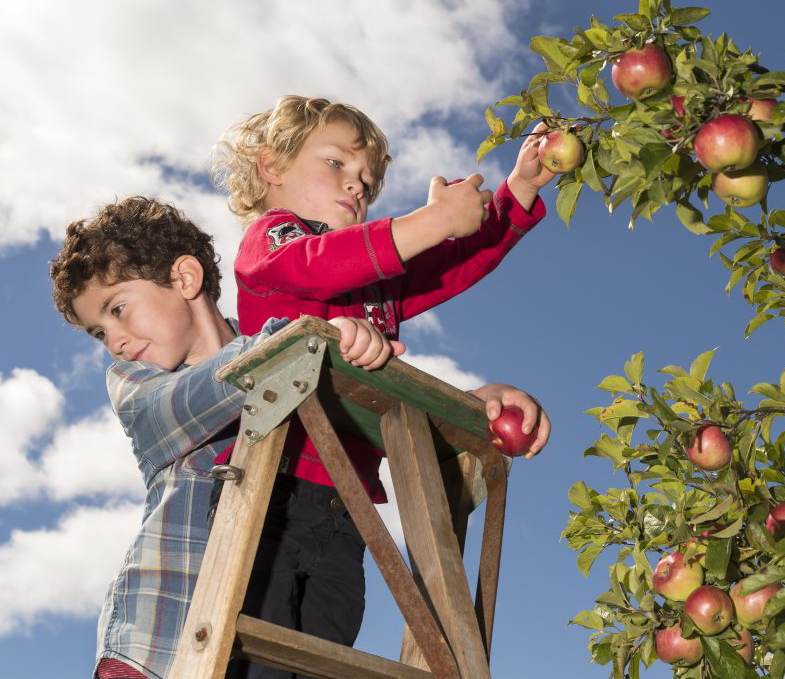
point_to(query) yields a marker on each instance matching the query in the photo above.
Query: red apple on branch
(639, 73)
(775, 521)
(729, 142)
(709, 608)
(674, 649)
(711, 449)
(674, 579)
(761, 109)
(560, 151)
(742, 188)
(744, 645)
(777, 261)
(506, 432)
(749, 609)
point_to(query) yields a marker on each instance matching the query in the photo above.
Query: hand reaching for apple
(535, 421)
(529, 175)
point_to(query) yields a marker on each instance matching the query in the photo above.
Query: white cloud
(446, 369)
(425, 323)
(91, 457)
(389, 511)
(30, 407)
(64, 570)
(88, 457)
(105, 100)
(82, 365)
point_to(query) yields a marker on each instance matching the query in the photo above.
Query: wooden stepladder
(442, 466)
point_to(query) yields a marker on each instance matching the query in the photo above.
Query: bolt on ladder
(442, 467)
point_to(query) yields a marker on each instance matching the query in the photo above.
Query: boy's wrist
(524, 190)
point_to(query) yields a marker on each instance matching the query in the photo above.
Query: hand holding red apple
(531, 422)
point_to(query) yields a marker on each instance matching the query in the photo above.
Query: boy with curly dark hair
(143, 280)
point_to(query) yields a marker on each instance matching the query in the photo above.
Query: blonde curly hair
(283, 130)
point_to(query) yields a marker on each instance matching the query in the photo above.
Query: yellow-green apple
(674, 649)
(749, 609)
(676, 579)
(560, 151)
(777, 261)
(744, 645)
(742, 188)
(709, 608)
(760, 109)
(506, 432)
(639, 73)
(711, 449)
(729, 142)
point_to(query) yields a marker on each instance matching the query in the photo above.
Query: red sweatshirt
(287, 266)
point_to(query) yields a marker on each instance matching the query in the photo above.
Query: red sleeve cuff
(520, 220)
(381, 249)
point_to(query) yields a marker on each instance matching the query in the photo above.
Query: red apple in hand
(742, 188)
(506, 433)
(674, 649)
(709, 608)
(711, 449)
(675, 579)
(560, 151)
(777, 261)
(729, 142)
(749, 609)
(641, 73)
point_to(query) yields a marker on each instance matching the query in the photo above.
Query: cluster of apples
(710, 608)
(726, 145)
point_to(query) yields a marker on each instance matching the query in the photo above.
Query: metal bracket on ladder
(290, 377)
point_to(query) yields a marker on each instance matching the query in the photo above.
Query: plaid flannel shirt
(178, 422)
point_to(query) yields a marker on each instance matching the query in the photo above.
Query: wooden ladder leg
(209, 631)
(433, 547)
(389, 560)
(491, 550)
(458, 475)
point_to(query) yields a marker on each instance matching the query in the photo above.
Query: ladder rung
(287, 649)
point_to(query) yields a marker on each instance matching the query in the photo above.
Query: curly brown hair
(283, 130)
(136, 238)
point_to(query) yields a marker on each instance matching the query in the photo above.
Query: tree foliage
(640, 154)
(640, 151)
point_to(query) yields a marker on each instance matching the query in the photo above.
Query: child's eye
(98, 334)
(117, 310)
(335, 163)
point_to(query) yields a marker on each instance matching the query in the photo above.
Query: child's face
(328, 180)
(139, 320)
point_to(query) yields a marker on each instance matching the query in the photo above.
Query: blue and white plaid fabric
(178, 422)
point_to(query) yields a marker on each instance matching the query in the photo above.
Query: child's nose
(115, 341)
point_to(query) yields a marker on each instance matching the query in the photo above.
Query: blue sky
(114, 99)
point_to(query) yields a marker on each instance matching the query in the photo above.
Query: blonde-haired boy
(302, 176)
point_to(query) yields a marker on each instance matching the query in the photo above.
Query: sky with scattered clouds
(110, 99)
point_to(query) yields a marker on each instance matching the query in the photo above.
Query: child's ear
(188, 276)
(267, 167)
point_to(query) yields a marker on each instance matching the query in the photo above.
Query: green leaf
(589, 174)
(691, 217)
(580, 495)
(760, 580)
(701, 364)
(719, 510)
(567, 200)
(688, 15)
(586, 559)
(635, 21)
(589, 620)
(615, 383)
(717, 557)
(550, 50)
(756, 322)
(724, 660)
(634, 368)
(730, 531)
